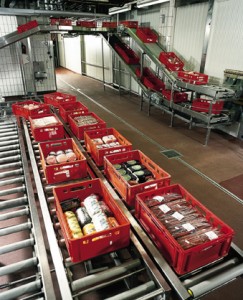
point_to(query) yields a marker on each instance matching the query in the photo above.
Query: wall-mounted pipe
(53, 13)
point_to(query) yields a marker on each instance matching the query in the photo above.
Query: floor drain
(171, 153)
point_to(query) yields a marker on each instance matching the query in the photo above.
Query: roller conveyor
(80, 279)
(73, 285)
(22, 246)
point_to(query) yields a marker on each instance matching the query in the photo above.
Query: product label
(165, 208)
(159, 198)
(178, 216)
(188, 226)
(211, 235)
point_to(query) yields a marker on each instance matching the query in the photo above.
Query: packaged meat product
(61, 158)
(51, 160)
(112, 222)
(100, 221)
(92, 205)
(85, 120)
(70, 204)
(71, 156)
(109, 139)
(45, 121)
(185, 228)
(83, 216)
(73, 224)
(158, 199)
(89, 229)
(106, 210)
(199, 237)
(97, 141)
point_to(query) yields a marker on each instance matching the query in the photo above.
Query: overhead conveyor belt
(153, 51)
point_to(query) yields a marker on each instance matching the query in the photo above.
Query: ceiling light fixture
(118, 10)
(143, 3)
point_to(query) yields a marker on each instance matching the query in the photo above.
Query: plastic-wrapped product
(92, 205)
(71, 156)
(199, 237)
(89, 229)
(61, 158)
(73, 224)
(112, 222)
(109, 139)
(100, 222)
(83, 216)
(105, 208)
(159, 199)
(51, 159)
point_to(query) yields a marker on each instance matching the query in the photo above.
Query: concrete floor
(205, 171)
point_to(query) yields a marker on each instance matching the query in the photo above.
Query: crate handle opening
(101, 237)
(78, 188)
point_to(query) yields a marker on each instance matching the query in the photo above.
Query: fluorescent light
(121, 9)
(143, 3)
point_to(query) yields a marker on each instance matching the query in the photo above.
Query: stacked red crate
(147, 35)
(129, 56)
(30, 108)
(68, 108)
(188, 235)
(74, 166)
(57, 98)
(129, 189)
(171, 61)
(97, 243)
(95, 143)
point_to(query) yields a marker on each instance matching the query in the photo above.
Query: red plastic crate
(109, 24)
(54, 21)
(66, 108)
(127, 191)
(28, 26)
(61, 172)
(129, 56)
(46, 133)
(203, 105)
(147, 35)
(151, 81)
(129, 24)
(99, 154)
(98, 243)
(89, 24)
(183, 261)
(19, 109)
(57, 98)
(171, 61)
(178, 97)
(193, 77)
(79, 130)
(65, 22)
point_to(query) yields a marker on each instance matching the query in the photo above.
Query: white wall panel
(61, 50)
(92, 58)
(189, 32)
(73, 54)
(226, 40)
